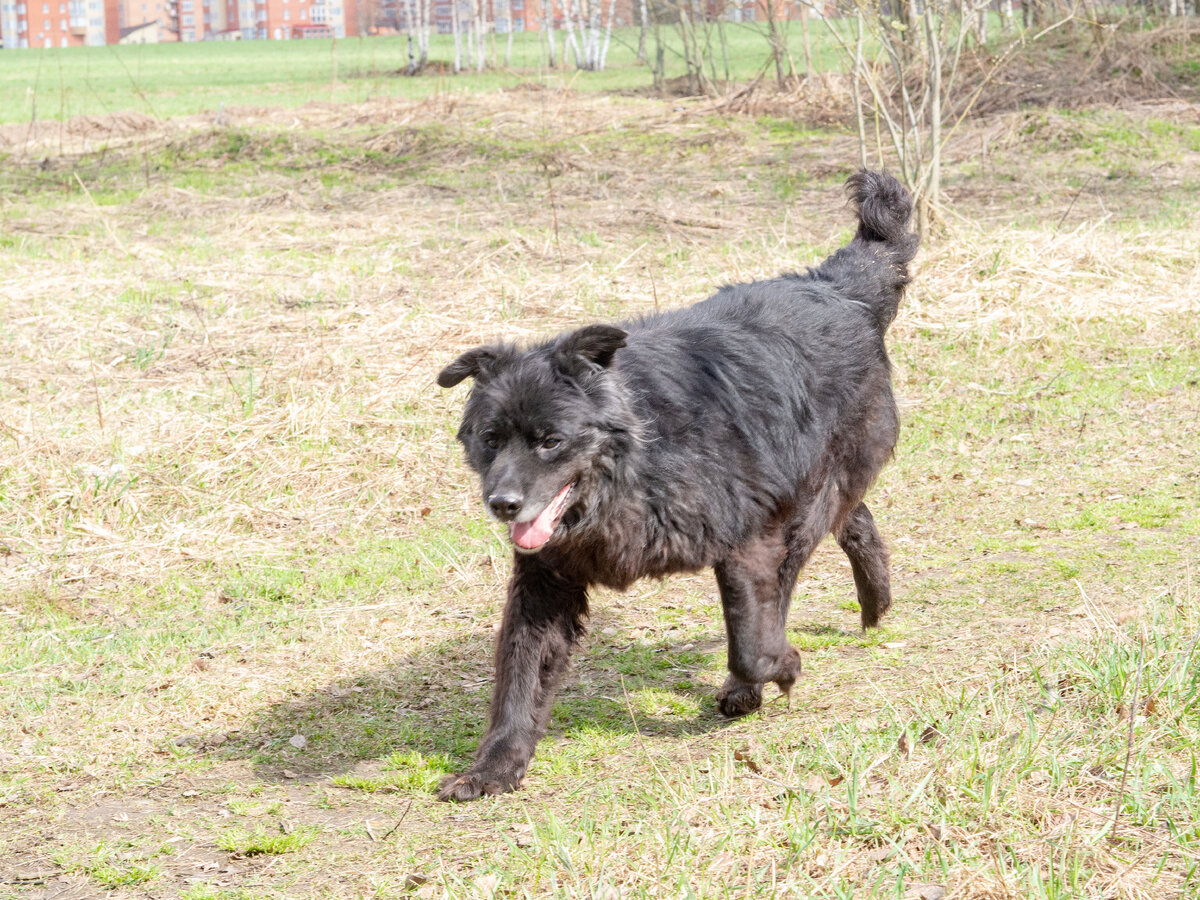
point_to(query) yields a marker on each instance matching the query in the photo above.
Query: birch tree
(456, 30)
(416, 15)
(508, 14)
(548, 30)
(479, 28)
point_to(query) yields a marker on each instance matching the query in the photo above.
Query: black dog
(735, 433)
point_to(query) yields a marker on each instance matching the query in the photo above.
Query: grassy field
(183, 79)
(247, 592)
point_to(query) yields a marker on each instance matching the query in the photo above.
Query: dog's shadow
(436, 705)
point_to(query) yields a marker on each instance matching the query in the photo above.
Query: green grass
(264, 842)
(163, 80)
(106, 866)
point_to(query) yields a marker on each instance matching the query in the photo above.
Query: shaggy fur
(735, 433)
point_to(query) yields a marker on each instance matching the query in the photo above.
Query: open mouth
(533, 534)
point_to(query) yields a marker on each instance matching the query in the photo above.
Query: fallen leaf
(298, 741)
(744, 756)
(414, 880)
(932, 734)
(903, 746)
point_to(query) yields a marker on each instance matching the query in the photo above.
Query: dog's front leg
(543, 620)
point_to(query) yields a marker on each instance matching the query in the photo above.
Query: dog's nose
(505, 506)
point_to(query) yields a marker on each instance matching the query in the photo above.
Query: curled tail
(884, 208)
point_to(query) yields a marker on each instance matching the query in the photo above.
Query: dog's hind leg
(543, 620)
(860, 539)
(755, 602)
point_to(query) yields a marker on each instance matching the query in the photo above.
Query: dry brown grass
(196, 570)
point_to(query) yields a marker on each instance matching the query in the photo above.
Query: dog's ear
(480, 364)
(595, 344)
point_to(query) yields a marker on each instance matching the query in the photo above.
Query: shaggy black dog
(735, 433)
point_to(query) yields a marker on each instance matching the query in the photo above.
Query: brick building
(75, 23)
(526, 14)
(58, 23)
(262, 20)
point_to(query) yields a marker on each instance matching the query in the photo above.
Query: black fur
(735, 433)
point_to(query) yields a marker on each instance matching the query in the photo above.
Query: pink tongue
(533, 534)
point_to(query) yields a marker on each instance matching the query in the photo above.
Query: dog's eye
(490, 440)
(551, 443)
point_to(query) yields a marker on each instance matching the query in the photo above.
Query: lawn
(184, 79)
(248, 594)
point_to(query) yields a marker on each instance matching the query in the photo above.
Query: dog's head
(540, 427)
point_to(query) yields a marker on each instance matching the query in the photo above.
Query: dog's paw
(788, 672)
(737, 698)
(473, 785)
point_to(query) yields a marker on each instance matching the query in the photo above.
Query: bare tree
(911, 82)
(416, 28)
(644, 16)
(693, 53)
(548, 29)
(479, 32)
(456, 29)
(508, 14)
(776, 38)
(570, 22)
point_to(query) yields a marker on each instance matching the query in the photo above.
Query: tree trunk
(856, 87)
(641, 48)
(931, 196)
(456, 28)
(612, 14)
(512, 26)
(423, 13)
(480, 36)
(411, 33)
(807, 41)
(775, 42)
(548, 28)
(571, 42)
